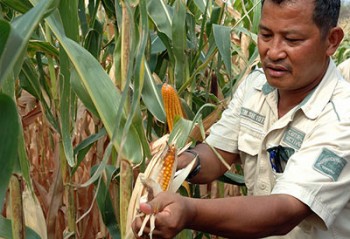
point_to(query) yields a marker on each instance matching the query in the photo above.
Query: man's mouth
(275, 70)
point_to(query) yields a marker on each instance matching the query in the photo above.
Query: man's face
(291, 49)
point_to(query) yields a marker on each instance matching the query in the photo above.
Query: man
(290, 127)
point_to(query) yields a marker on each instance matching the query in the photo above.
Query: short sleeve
(319, 173)
(224, 133)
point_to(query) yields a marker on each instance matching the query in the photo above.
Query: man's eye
(265, 35)
(294, 40)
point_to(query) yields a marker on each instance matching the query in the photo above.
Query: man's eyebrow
(288, 31)
(262, 27)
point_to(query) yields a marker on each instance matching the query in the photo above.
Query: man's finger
(146, 208)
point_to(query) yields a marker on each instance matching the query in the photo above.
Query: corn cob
(167, 170)
(172, 104)
(158, 176)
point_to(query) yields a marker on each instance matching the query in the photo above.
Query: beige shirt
(344, 68)
(314, 138)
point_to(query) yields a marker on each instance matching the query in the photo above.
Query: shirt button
(262, 186)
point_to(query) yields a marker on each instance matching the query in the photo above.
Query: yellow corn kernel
(172, 104)
(167, 168)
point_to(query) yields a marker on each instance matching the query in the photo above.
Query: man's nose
(276, 50)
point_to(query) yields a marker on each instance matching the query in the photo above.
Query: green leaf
(232, 178)
(104, 202)
(183, 127)
(81, 150)
(41, 46)
(135, 117)
(201, 5)
(21, 6)
(79, 89)
(152, 97)
(6, 230)
(21, 31)
(104, 95)
(161, 16)
(23, 159)
(65, 119)
(5, 29)
(9, 130)
(69, 15)
(222, 35)
(29, 81)
(101, 167)
(179, 43)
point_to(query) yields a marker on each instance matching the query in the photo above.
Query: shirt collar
(316, 100)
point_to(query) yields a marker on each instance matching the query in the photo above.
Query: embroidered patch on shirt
(294, 137)
(330, 164)
(257, 118)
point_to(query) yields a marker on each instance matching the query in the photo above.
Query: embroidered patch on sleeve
(330, 164)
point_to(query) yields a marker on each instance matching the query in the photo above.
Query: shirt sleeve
(319, 173)
(224, 133)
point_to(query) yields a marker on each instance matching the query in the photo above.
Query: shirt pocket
(249, 143)
(250, 138)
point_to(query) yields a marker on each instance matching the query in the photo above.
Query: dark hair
(326, 13)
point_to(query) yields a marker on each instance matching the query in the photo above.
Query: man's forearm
(247, 217)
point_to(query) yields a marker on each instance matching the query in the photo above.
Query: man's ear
(334, 38)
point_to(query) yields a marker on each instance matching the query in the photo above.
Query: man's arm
(234, 217)
(211, 166)
(247, 217)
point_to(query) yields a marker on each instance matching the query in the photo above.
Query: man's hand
(172, 214)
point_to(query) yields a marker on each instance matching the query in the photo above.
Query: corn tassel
(172, 104)
(159, 176)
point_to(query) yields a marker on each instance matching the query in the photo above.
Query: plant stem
(18, 226)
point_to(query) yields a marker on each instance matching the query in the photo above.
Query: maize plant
(159, 176)
(81, 98)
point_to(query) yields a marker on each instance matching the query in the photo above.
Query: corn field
(81, 103)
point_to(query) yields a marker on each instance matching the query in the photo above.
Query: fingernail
(146, 208)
